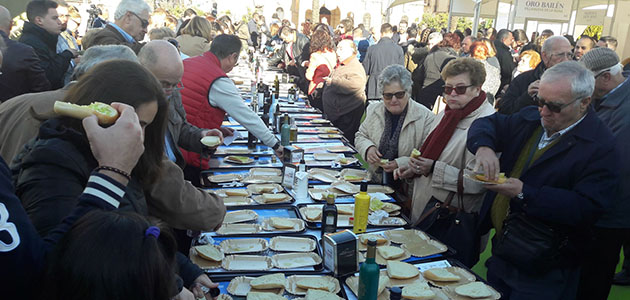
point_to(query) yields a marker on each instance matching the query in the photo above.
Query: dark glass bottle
(368, 274)
(329, 215)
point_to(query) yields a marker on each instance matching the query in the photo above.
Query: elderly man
(611, 100)
(466, 43)
(504, 41)
(583, 46)
(521, 91)
(210, 95)
(21, 72)
(131, 20)
(42, 32)
(380, 55)
(562, 168)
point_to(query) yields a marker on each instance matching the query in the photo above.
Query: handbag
(531, 245)
(452, 225)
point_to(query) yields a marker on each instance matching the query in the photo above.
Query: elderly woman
(394, 126)
(344, 93)
(528, 60)
(196, 36)
(444, 151)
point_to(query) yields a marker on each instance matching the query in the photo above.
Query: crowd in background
(458, 97)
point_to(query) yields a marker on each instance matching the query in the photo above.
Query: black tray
(268, 211)
(243, 170)
(317, 269)
(254, 204)
(318, 226)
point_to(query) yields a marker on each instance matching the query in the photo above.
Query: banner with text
(467, 8)
(590, 17)
(559, 10)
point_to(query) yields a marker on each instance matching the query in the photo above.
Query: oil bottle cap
(372, 241)
(364, 186)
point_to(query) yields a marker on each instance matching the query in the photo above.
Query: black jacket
(45, 45)
(21, 72)
(379, 56)
(505, 61)
(52, 171)
(301, 52)
(516, 96)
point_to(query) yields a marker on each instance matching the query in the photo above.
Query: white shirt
(226, 96)
(545, 140)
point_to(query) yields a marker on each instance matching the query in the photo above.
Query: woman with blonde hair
(196, 36)
(528, 60)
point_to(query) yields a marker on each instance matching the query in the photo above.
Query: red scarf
(440, 136)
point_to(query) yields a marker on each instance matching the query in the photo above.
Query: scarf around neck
(388, 145)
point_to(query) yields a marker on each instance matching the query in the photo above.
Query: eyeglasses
(399, 95)
(145, 23)
(553, 107)
(568, 55)
(459, 90)
(169, 87)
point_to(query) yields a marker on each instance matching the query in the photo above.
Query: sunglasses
(399, 95)
(459, 90)
(553, 107)
(169, 87)
(145, 23)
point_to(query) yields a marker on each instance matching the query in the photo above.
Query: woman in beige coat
(394, 126)
(196, 36)
(444, 151)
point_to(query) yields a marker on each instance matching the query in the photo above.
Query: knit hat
(600, 59)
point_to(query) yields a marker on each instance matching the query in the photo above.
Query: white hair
(395, 73)
(581, 78)
(134, 6)
(101, 53)
(549, 42)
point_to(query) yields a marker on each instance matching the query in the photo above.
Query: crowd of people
(93, 212)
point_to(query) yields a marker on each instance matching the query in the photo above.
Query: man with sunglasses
(611, 101)
(562, 168)
(519, 94)
(131, 20)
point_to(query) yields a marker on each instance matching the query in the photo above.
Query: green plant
(177, 10)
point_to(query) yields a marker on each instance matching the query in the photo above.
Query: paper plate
(330, 136)
(424, 247)
(390, 221)
(298, 225)
(294, 244)
(246, 263)
(375, 188)
(204, 264)
(295, 260)
(240, 216)
(237, 201)
(451, 291)
(239, 229)
(241, 160)
(327, 156)
(220, 178)
(323, 177)
(465, 277)
(292, 287)
(339, 149)
(328, 130)
(264, 188)
(260, 199)
(265, 172)
(239, 286)
(346, 187)
(346, 161)
(233, 192)
(237, 246)
(353, 283)
(405, 236)
(259, 179)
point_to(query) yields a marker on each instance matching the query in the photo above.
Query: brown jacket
(193, 45)
(346, 91)
(171, 198)
(110, 36)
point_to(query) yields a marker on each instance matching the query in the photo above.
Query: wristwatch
(276, 146)
(520, 196)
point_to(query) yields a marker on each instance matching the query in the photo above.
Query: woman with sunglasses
(444, 154)
(393, 126)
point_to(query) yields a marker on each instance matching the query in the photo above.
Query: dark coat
(570, 185)
(516, 96)
(345, 92)
(505, 61)
(21, 72)
(45, 46)
(110, 36)
(301, 52)
(377, 58)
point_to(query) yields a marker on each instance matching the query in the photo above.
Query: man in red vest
(209, 94)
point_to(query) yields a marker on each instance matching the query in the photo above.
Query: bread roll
(272, 281)
(211, 141)
(439, 274)
(271, 198)
(500, 180)
(313, 214)
(104, 112)
(380, 240)
(209, 252)
(390, 252)
(401, 270)
(314, 294)
(415, 153)
(282, 223)
(237, 192)
(418, 291)
(317, 283)
(475, 289)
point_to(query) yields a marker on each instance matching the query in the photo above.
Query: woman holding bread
(393, 126)
(444, 153)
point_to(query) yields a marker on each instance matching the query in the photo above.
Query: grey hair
(395, 73)
(98, 54)
(581, 78)
(549, 42)
(134, 6)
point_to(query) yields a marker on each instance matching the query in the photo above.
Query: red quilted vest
(200, 72)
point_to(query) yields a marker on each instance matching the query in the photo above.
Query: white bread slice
(439, 274)
(401, 270)
(390, 252)
(209, 252)
(345, 209)
(383, 281)
(475, 289)
(264, 296)
(314, 294)
(282, 223)
(237, 192)
(271, 198)
(271, 281)
(313, 214)
(264, 188)
(418, 291)
(317, 283)
(380, 240)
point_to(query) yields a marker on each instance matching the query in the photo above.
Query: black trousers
(350, 122)
(599, 268)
